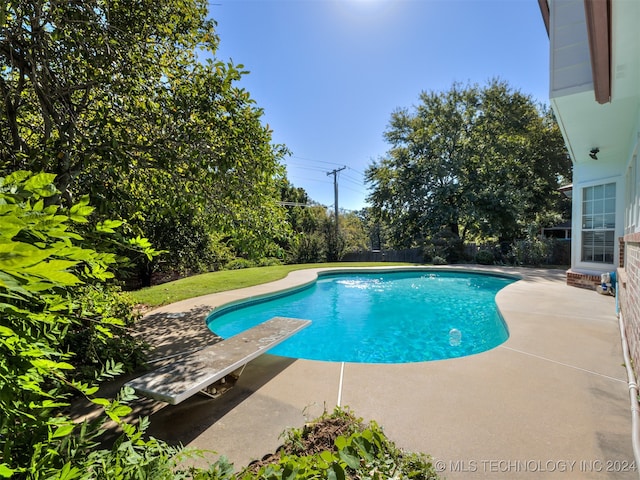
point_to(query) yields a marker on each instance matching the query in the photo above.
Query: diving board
(183, 378)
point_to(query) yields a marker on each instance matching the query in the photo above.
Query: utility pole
(335, 192)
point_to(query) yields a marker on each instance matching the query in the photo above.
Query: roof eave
(598, 16)
(544, 9)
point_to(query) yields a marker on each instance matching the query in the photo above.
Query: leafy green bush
(238, 263)
(340, 446)
(444, 244)
(534, 251)
(484, 257)
(54, 298)
(189, 245)
(92, 350)
(438, 260)
(307, 248)
(269, 262)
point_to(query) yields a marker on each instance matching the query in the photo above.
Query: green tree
(469, 163)
(126, 102)
(352, 228)
(333, 240)
(309, 243)
(296, 201)
(517, 164)
(315, 238)
(377, 231)
(74, 72)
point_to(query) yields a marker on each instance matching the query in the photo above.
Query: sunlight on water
(381, 318)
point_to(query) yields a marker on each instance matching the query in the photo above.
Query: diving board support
(183, 378)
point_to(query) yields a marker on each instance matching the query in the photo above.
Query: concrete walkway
(551, 402)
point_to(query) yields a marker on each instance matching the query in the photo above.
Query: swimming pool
(390, 317)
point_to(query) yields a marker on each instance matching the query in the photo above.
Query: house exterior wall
(629, 272)
(629, 295)
(570, 64)
(612, 127)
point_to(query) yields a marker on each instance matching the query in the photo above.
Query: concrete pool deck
(552, 401)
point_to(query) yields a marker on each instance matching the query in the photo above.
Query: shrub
(533, 252)
(484, 257)
(239, 263)
(340, 446)
(269, 262)
(188, 245)
(55, 298)
(445, 244)
(438, 261)
(307, 248)
(91, 350)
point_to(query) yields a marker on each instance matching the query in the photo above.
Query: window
(598, 223)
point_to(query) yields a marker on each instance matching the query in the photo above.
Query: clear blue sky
(329, 73)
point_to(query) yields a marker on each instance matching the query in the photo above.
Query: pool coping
(322, 273)
(553, 392)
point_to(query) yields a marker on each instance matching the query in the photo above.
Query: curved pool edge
(301, 279)
(183, 326)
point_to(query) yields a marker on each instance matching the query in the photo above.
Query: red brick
(629, 295)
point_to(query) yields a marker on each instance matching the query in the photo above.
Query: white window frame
(578, 194)
(598, 223)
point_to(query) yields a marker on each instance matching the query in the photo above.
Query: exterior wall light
(594, 153)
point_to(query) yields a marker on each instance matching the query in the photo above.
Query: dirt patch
(314, 438)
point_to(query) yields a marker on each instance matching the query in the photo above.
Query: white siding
(570, 59)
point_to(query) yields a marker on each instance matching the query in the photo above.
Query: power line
(353, 180)
(354, 190)
(309, 179)
(313, 169)
(297, 159)
(356, 171)
(293, 157)
(295, 204)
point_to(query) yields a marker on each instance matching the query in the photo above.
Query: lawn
(214, 282)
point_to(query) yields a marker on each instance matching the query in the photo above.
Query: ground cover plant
(339, 446)
(55, 296)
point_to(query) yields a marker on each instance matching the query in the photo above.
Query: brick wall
(582, 280)
(629, 295)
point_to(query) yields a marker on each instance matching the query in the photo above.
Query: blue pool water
(394, 317)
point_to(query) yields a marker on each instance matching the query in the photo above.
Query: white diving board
(183, 378)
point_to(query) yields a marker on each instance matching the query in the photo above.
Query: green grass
(214, 282)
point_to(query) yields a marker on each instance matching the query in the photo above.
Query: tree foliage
(354, 232)
(314, 236)
(52, 300)
(469, 163)
(46, 275)
(126, 102)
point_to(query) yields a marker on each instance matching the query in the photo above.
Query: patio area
(552, 401)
